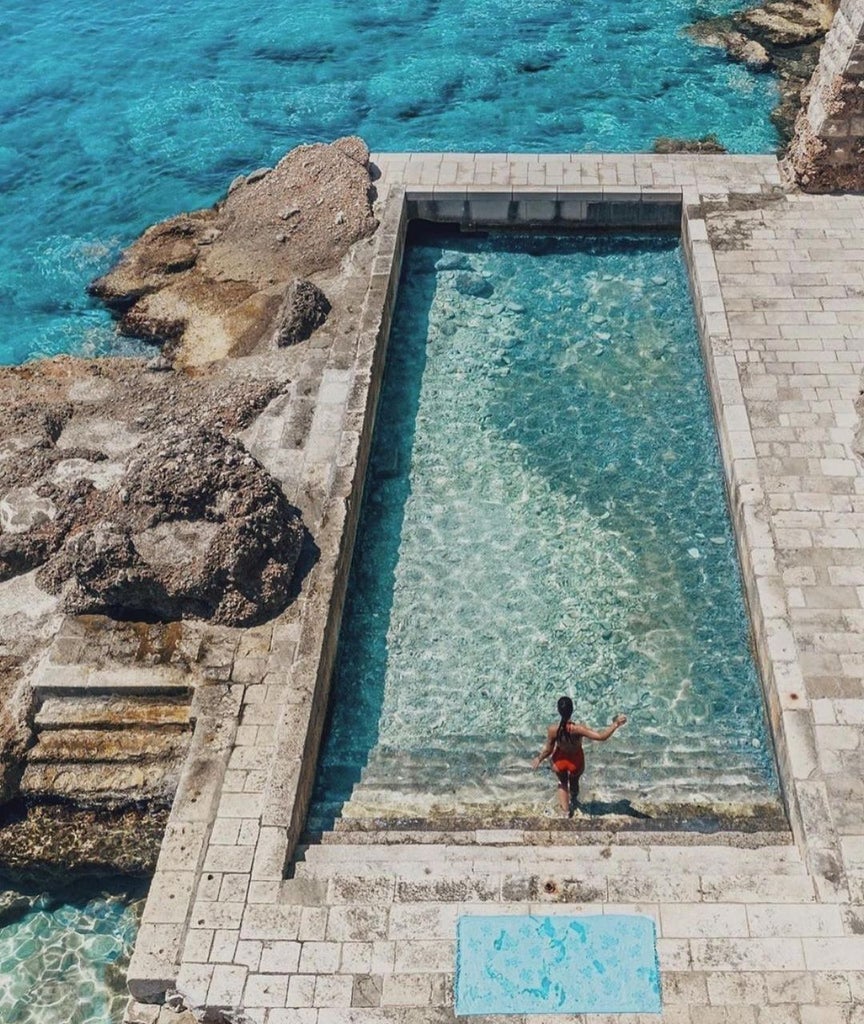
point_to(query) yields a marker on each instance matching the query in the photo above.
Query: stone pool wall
(827, 151)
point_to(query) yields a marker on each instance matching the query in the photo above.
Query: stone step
(679, 849)
(114, 745)
(101, 785)
(583, 861)
(107, 712)
(555, 884)
(504, 806)
(53, 680)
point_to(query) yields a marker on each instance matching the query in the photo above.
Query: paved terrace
(760, 928)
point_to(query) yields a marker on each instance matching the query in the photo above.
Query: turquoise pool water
(544, 514)
(114, 115)
(63, 956)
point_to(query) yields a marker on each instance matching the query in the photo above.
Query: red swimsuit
(573, 763)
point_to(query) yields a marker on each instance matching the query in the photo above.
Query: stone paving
(752, 928)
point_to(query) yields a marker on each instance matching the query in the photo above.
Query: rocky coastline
(138, 533)
(783, 36)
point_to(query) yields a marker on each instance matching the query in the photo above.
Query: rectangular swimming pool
(544, 514)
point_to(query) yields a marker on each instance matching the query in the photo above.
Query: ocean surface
(115, 115)
(63, 954)
(544, 514)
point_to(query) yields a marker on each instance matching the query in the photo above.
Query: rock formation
(303, 310)
(221, 281)
(15, 732)
(128, 493)
(779, 35)
(827, 151)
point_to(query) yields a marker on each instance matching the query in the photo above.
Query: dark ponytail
(565, 710)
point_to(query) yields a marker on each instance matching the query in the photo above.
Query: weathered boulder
(304, 308)
(128, 494)
(748, 52)
(789, 22)
(209, 534)
(211, 283)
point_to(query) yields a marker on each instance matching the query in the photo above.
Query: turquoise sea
(63, 955)
(114, 115)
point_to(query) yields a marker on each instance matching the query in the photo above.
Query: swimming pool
(114, 116)
(544, 514)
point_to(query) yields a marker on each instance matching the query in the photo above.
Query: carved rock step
(50, 679)
(105, 712)
(101, 785)
(89, 745)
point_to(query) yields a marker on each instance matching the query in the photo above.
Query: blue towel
(526, 964)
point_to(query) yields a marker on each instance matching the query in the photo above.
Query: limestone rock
(748, 51)
(467, 282)
(789, 22)
(134, 496)
(209, 534)
(49, 842)
(16, 712)
(304, 308)
(210, 283)
(783, 35)
(23, 509)
(707, 144)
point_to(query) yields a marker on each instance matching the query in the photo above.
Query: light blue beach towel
(527, 964)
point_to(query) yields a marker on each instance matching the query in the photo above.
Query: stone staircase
(490, 780)
(107, 750)
(486, 873)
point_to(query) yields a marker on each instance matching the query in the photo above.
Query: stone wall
(827, 151)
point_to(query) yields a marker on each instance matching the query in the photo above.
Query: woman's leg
(564, 791)
(575, 778)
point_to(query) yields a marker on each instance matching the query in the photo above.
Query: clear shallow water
(64, 960)
(114, 115)
(544, 514)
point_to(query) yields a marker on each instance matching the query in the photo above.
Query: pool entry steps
(760, 926)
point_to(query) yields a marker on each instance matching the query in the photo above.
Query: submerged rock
(475, 285)
(453, 261)
(707, 144)
(211, 283)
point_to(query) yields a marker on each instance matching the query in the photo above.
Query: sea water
(115, 115)
(544, 514)
(63, 955)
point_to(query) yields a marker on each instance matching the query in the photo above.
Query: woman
(564, 743)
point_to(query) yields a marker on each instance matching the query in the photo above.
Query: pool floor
(544, 514)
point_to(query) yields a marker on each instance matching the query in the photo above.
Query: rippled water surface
(63, 959)
(545, 514)
(113, 115)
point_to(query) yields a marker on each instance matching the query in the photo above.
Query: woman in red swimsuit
(564, 743)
